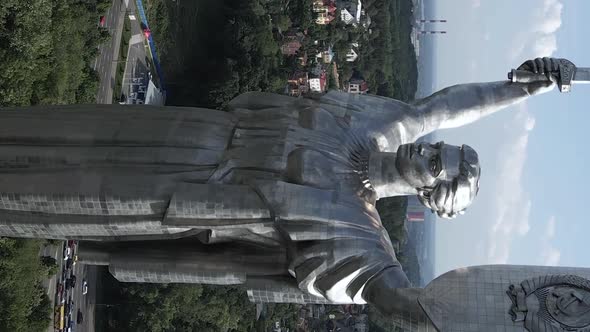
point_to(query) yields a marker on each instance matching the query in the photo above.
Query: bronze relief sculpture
(552, 303)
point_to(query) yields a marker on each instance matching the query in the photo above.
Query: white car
(84, 288)
(68, 253)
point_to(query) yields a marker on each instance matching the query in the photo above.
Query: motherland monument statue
(277, 194)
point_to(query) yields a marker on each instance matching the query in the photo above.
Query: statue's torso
(309, 142)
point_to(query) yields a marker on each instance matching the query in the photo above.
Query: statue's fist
(544, 66)
(544, 74)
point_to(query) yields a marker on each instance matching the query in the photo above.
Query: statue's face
(423, 165)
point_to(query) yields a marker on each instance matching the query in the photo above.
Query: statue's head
(446, 177)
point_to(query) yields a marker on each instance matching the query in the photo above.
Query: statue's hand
(544, 66)
(548, 67)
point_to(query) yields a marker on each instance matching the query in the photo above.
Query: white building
(327, 56)
(315, 84)
(351, 56)
(346, 16)
(350, 12)
(154, 96)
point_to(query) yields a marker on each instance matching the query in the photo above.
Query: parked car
(67, 253)
(84, 287)
(102, 21)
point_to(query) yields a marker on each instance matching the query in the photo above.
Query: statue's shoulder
(260, 100)
(361, 102)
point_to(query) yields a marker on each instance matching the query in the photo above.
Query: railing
(151, 43)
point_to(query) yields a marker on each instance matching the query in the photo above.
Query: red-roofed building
(325, 11)
(298, 84)
(290, 47)
(318, 84)
(356, 85)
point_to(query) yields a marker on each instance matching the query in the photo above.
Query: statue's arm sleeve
(462, 104)
(339, 269)
(382, 291)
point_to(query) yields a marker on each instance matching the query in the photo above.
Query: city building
(290, 47)
(351, 56)
(317, 70)
(154, 95)
(358, 86)
(298, 84)
(415, 216)
(325, 11)
(350, 12)
(327, 55)
(292, 42)
(318, 84)
(415, 210)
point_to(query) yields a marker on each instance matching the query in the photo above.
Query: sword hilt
(564, 81)
(525, 76)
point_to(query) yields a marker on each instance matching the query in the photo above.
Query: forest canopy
(46, 51)
(24, 304)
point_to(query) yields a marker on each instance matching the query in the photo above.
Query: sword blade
(582, 75)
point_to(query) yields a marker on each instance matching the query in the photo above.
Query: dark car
(79, 317)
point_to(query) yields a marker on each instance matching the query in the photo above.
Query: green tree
(50, 265)
(103, 35)
(161, 307)
(283, 22)
(24, 305)
(38, 65)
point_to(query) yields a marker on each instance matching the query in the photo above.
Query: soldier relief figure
(276, 189)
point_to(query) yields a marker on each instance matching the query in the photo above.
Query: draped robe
(273, 194)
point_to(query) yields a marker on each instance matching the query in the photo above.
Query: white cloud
(550, 230)
(550, 17)
(539, 39)
(512, 203)
(549, 254)
(551, 257)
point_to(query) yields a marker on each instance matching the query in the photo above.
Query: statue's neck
(385, 178)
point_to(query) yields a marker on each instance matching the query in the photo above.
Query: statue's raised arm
(462, 104)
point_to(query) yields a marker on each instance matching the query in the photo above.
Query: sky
(535, 182)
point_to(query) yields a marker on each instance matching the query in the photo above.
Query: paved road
(106, 64)
(84, 303)
(136, 68)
